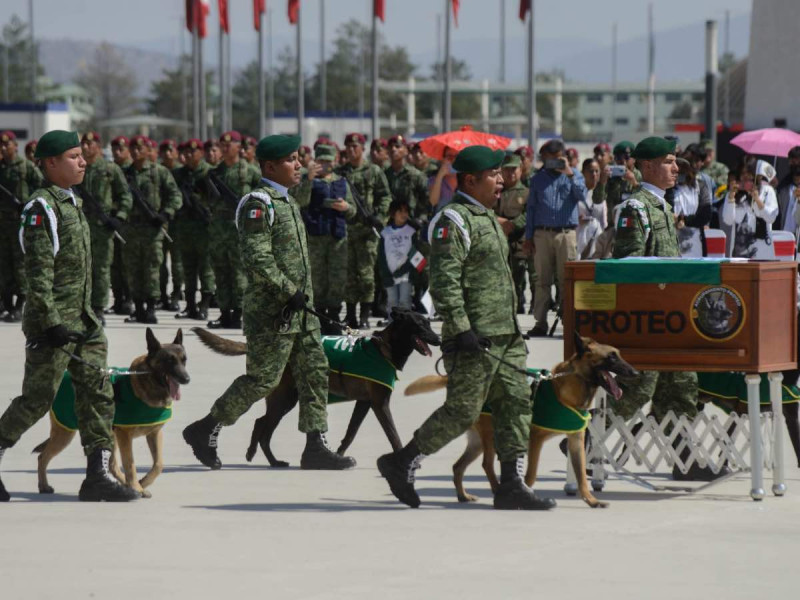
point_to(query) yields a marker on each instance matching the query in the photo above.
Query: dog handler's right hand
(469, 341)
(58, 336)
(297, 302)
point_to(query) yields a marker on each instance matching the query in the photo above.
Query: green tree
(15, 48)
(111, 82)
(464, 107)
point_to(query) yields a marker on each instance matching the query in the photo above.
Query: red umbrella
(436, 145)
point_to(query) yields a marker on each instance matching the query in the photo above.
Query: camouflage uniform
(512, 205)
(472, 288)
(119, 275)
(106, 183)
(192, 230)
(274, 252)
(56, 240)
(223, 236)
(370, 184)
(143, 252)
(175, 269)
(718, 173)
(20, 177)
(646, 227)
(614, 191)
(327, 252)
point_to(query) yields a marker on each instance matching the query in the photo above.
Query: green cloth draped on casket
(674, 270)
(357, 357)
(548, 412)
(731, 386)
(129, 411)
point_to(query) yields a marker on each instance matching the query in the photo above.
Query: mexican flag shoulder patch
(255, 213)
(440, 233)
(624, 222)
(35, 220)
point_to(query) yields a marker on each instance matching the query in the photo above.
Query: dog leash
(537, 376)
(283, 321)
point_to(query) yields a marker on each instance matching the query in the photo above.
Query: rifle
(361, 210)
(222, 190)
(139, 199)
(200, 210)
(7, 193)
(98, 211)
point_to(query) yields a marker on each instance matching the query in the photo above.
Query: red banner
(524, 7)
(196, 13)
(379, 8)
(224, 24)
(456, 6)
(259, 7)
(294, 11)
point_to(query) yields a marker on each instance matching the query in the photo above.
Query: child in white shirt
(398, 257)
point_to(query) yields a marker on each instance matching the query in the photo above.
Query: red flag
(294, 11)
(196, 13)
(259, 7)
(456, 6)
(190, 15)
(524, 7)
(223, 15)
(379, 8)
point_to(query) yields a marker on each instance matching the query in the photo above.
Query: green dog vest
(357, 357)
(548, 412)
(129, 411)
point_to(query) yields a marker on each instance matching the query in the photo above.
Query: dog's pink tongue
(612, 385)
(174, 389)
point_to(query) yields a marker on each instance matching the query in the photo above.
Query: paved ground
(250, 530)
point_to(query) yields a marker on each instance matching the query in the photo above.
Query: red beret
(416, 147)
(91, 136)
(192, 144)
(525, 151)
(151, 143)
(303, 151)
(572, 152)
(323, 140)
(355, 138)
(378, 142)
(210, 144)
(250, 141)
(166, 144)
(120, 140)
(602, 147)
(8, 136)
(31, 144)
(139, 140)
(231, 136)
(396, 140)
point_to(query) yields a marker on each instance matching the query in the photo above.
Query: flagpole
(223, 117)
(376, 129)
(203, 99)
(271, 88)
(447, 65)
(261, 126)
(195, 80)
(323, 67)
(228, 95)
(182, 67)
(532, 132)
(613, 81)
(300, 82)
(651, 79)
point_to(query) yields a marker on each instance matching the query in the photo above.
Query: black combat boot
(202, 437)
(513, 494)
(224, 321)
(334, 325)
(363, 321)
(172, 304)
(351, 319)
(99, 484)
(318, 456)
(212, 301)
(8, 304)
(236, 318)
(202, 308)
(190, 311)
(4, 497)
(126, 307)
(138, 313)
(15, 313)
(695, 472)
(99, 312)
(397, 468)
(150, 313)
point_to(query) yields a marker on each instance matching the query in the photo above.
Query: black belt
(558, 229)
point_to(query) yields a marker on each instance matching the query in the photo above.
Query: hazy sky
(155, 24)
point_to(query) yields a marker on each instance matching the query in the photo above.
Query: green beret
(55, 143)
(325, 152)
(653, 147)
(474, 159)
(511, 161)
(624, 147)
(274, 147)
(707, 144)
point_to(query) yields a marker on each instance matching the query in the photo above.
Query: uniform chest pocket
(283, 230)
(482, 243)
(659, 224)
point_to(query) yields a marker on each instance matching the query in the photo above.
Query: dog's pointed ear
(580, 348)
(178, 338)
(153, 345)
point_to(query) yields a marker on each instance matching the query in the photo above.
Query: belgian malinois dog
(163, 371)
(575, 382)
(408, 331)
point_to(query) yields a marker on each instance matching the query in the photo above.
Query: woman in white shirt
(750, 207)
(592, 218)
(691, 203)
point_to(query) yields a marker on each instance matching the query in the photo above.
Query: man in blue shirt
(552, 216)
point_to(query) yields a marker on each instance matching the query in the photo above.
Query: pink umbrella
(436, 145)
(771, 142)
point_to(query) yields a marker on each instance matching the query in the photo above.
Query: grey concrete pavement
(251, 531)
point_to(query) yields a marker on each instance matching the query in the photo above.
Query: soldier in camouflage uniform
(422, 162)
(170, 158)
(104, 190)
(19, 177)
(715, 170)
(327, 205)
(469, 253)
(192, 229)
(510, 210)
(249, 150)
(237, 178)
(59, 325)
(120, 152)
(646, 227)
(280, 334)
(527, 171)
(30, 149)
(613, 190)
(153, 185)
(369, 184)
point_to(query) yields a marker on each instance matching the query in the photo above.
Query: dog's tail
(220, 344)
(40, 448)
(423, 385)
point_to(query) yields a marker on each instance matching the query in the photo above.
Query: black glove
(58, 336)
(113, 223)
(469, 341)
(297, 302)
(375, 222)
(160, 219)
